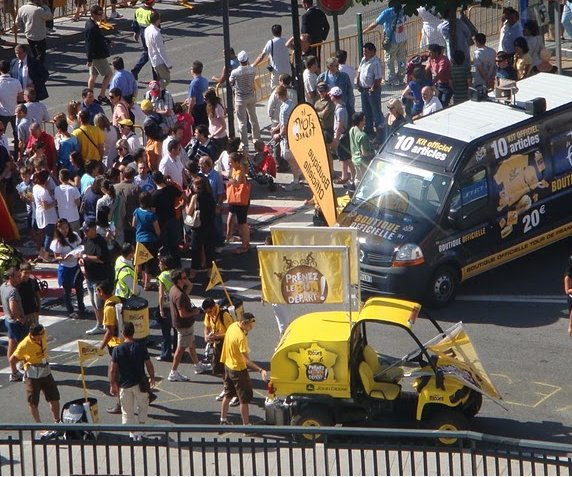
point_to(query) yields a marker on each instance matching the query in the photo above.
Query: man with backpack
(216, 322)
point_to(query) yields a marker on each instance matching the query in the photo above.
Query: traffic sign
(334, 6)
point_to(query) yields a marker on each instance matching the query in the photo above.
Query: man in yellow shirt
(111, 338)
(217, 320)
(90, 138)
(235, 356)
(33, 350)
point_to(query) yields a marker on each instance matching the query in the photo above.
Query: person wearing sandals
(65, 247)
(238, 213)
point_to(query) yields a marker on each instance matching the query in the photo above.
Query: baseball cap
(154, 88)
(242, 56)
(336, 91)
(322, 86)
(146, 105)
(149, 2)
(126, 122)
(88, 224)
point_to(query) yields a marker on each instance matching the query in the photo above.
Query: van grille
(372, 258)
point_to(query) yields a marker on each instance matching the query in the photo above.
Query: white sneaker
(175, 376)
(220, 396)
(234, 402)
(96, 330)
(201, 367)
(114, 15)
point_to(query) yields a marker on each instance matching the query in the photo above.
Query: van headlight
(407, 255)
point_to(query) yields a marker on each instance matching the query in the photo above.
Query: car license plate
(365, 277)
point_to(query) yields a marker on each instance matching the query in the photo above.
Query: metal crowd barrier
(270, 450)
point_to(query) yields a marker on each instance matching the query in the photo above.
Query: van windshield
(402, 188)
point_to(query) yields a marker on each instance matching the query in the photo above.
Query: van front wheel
(443, 286)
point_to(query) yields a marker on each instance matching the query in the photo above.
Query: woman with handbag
(238, 198)
(201, 220)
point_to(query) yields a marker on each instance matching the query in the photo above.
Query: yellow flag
(142, 255)
(306, 141)
(88, 351)
(304, 275)
(215, 278)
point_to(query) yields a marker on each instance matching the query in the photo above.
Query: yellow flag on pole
(142, 255)
(88, 351)
(215, 278)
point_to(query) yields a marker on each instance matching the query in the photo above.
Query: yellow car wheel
(447, 420)
(312, 416)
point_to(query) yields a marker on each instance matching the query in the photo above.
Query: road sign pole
(226, 46)
(336, 31)
(298, 66)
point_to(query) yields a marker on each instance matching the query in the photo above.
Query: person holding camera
(278, 56)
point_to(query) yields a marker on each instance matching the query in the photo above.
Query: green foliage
(442, 6)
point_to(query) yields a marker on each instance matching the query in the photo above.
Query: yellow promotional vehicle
(327, 371)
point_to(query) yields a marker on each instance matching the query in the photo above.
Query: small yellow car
(326, 370)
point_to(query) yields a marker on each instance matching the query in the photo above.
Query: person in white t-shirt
(46, 215)
(431, 103)
(310, 77)
(67, 248)
(342, 56)
(170, 165)
(278, 56)
(67, 199)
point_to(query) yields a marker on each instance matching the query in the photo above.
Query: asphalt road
(515, 314)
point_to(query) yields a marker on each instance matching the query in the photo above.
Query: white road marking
(514, 298)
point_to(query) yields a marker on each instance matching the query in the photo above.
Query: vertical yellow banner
(306, 141)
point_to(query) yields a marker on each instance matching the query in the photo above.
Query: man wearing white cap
(242, 81)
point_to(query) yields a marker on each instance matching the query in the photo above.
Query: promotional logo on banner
(88, 351)
(340, 236)
(303, 275)
(306, 141)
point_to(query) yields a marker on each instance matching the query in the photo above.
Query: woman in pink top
(217, 123)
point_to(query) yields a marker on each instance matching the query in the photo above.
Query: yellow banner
(215, 278)
(142, 255)
(457, 350)
(306, 141)
(341, 236)
(304, 275)
(88, 351)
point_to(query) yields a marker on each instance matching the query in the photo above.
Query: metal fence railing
(270, 450)
(486, 19)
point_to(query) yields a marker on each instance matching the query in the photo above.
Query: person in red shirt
(187, 121)
(439, 67)
(37, 134)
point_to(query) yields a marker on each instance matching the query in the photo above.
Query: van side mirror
(453, 216)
